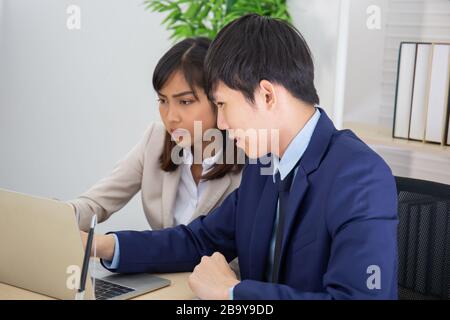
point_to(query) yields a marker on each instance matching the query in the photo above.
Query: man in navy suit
(322, 224)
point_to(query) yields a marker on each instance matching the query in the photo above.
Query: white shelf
(407, 158)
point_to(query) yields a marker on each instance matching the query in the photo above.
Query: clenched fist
(212, 278)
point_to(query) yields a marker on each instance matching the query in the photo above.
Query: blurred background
(75, 101)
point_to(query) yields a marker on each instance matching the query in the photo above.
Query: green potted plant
(190, 18)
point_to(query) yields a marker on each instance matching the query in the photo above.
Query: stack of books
(422, 93)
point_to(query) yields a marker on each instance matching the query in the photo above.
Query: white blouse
(189, 193)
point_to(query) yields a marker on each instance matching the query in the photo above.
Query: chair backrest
(423, 239)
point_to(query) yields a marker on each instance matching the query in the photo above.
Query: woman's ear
(267, 91)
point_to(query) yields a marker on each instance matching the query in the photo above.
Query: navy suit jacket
(340, 240)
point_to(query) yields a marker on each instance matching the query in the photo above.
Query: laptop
(41, 251)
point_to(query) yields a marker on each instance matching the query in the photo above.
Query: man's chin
(251, 154)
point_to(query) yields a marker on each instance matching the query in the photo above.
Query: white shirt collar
(207, 163)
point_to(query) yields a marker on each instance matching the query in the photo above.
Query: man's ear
(267, 92)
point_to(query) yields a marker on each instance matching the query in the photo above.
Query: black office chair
(423, 239)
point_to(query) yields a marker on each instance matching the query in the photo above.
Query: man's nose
(221, 122)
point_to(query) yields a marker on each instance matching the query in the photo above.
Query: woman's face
(179, 109)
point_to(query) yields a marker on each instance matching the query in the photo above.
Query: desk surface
(178, 290)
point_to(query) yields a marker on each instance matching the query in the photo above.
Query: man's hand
(212, 278)
(105, 245)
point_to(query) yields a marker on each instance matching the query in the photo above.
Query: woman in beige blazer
(172, 192)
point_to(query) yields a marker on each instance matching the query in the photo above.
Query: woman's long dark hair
(187, 56)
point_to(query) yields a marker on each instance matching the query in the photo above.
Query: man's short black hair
(253, 48)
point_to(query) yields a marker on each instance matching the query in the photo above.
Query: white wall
(318, 22)
(365, 64)
(72, 103)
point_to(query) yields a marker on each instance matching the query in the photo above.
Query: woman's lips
(178, 134)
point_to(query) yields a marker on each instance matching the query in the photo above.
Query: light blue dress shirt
(116, 258)
(284, 165)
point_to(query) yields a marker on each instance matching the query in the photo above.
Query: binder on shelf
(420, 91)
(404, 90)
(437, 107)
(448, 110)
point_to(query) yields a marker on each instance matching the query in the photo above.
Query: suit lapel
(309, 162)
(262, 229)
(169, 192)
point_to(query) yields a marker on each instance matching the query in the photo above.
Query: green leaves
(190, 18)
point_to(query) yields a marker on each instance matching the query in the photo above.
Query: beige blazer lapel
(169, 192)
(214, 191)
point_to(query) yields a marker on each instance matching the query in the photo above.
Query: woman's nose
(172, 114)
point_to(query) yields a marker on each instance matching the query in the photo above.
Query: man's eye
(161, 101)
(219, 104)
(185, 102)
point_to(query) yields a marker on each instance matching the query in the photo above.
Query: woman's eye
(185, 102)
(219, 104)
(161, 101)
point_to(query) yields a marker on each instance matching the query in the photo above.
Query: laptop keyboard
(106, 290)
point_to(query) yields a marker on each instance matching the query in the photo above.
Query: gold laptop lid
(40, 245)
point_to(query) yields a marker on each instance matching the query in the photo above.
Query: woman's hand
(84, 237)
(105, 245)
